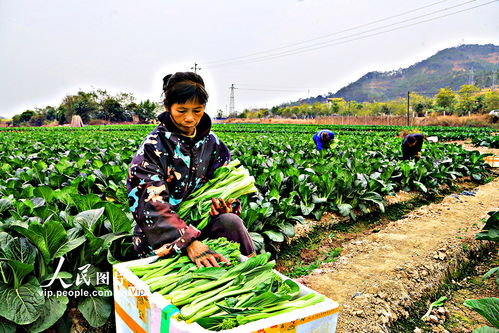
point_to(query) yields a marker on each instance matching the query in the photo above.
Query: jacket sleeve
(148, 198)
(221, 156)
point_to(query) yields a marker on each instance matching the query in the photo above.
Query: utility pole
(231, 102)
(408, 105)
(196, 68)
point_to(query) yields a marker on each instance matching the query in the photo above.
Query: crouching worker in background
(411, 146)
(323, 139)
(174, 160)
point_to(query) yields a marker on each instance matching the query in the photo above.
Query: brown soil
(329, 218)
(462, 319)
(469, 146)
(392, 269)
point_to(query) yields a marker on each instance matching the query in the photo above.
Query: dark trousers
(230, 226)
(226, 225)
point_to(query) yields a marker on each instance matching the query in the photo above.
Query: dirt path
(380, 275)
(469, 146)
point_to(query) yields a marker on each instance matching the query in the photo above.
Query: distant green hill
(451, 67)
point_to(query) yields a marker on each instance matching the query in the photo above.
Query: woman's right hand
(202, 255)
(222, 207)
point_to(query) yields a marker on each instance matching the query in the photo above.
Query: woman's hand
(223, 207)
(202, 255)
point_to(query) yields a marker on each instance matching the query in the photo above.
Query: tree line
(468, 100)
(97, 105)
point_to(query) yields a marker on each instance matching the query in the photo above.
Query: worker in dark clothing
(323, 139)
(411, 146)
(173, 161)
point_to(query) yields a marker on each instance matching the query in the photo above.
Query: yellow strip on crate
(127, 319)
(291, 326)
(118, 277)
(142, 301)
(493, 161)
(142, 305)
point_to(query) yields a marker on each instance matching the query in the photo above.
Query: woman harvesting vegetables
(174, 160)
(411, 146)
(323, 138)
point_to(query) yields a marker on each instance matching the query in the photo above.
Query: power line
(271, 90)
(279, 87)
(327, 35)
(332, 42)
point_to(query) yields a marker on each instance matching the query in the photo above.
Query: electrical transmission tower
(494, 79)
(231, 103)
(196, 68)
(471, 79)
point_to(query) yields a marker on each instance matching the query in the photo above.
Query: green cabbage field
(63, 200)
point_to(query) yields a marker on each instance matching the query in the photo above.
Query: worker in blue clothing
(411, 146)
(323, 139)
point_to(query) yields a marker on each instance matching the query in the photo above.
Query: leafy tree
(301, 111)
(146, 110)
(83, 104)
(420, 104)
(244, 114)
(16, 120)
(26, 116)
(398, 106)
(114, 110)
(445, 99)
(479, 103)
(318, 109)
(85, 109)
(467, 99)
(263, 113)
(337, 105)
(377, 108)
(276, 111)
(37, 119)
(354, 108)
(50, 113)
(61, 115)
(491, 100)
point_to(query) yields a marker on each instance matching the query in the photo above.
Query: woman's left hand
(202, 255)
(221, 207)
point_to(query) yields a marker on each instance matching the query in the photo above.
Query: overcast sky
(273, 51)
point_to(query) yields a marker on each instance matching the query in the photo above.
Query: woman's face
(187, 116)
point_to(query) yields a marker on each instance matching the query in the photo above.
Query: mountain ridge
(451, 67)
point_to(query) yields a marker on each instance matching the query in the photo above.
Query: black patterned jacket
(167, 167)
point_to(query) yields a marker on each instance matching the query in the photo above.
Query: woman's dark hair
(182, 87)
(411, 139)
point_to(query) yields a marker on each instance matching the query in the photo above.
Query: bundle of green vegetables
(221, 298)
(230, 181)
(163, 274)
